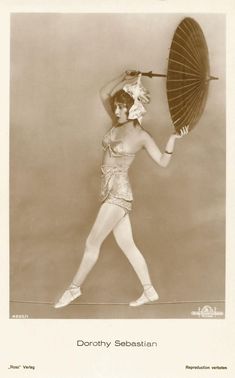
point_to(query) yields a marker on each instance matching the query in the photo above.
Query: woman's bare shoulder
(144, 134)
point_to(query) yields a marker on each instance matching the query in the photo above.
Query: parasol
(188, 74)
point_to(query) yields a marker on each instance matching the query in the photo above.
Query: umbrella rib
(192, 33)
(182, 47)
(182, 121)
(198, 34)
(186, 106)
(202, 43)
(192, 113)
(195, 35)
(198, 112)
(184, 65)
(187, 100)
(180, 96)
(190, 106)
(184, 86)
(195, 54)
(195, 112)
(176, 52)
(178, 112)
(183, 102)
(184, 73)
(196, 57)
(203, 103)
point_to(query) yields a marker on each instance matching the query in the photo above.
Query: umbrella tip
(213, 78)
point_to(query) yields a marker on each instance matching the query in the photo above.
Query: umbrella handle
(149, 74)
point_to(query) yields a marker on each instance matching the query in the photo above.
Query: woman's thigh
(123, 233)
(107, 218)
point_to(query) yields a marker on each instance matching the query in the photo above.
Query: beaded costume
(115, 185)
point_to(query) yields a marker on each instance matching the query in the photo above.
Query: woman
(123, 98)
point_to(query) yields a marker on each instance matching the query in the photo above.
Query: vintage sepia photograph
(117, 166)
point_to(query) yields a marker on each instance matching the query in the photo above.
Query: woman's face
(121, 112)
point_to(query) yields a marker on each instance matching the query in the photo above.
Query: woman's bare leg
(124, 238)
(108, 217)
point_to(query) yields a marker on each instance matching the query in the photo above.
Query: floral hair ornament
(140, 96)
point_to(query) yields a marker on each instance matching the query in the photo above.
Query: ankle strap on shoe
(73, 286)
(147, 287)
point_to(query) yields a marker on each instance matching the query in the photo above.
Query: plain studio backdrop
(58, 64)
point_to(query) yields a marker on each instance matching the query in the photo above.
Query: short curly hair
(122, 97)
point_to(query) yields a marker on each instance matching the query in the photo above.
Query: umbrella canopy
(188, 74)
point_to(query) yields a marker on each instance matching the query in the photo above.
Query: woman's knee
(92, 244)
(124, 242)
(91, 255)
(129, 247)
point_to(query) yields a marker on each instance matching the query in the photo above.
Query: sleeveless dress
(115, 185)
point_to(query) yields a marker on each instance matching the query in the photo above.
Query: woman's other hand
(183, 132)
(130, 75)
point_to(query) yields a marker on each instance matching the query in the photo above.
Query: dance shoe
(149, 295)
(69, 295)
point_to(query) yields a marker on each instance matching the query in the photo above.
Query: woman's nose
(117, 111)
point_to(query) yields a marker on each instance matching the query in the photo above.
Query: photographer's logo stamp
(207, 312)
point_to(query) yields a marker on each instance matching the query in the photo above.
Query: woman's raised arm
(108, 90)
(163, 159)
